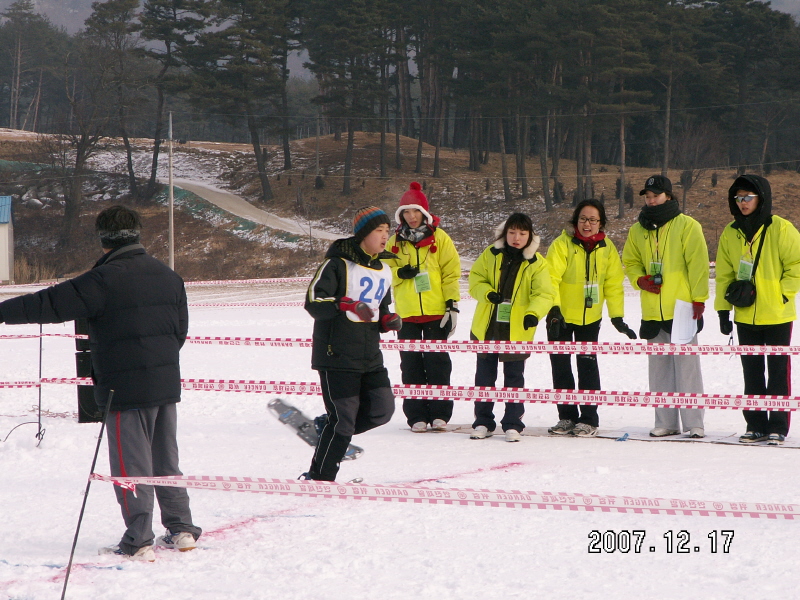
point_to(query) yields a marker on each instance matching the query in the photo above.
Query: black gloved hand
(725, 324)
(408, 272)
(494, 298)
(622, 327)
(556, 324)
(530, 321)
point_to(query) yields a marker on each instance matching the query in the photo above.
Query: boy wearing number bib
(349, 298)
(512, 285)
(426, 293)
(765, 249)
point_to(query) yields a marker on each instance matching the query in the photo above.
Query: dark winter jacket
(138, 320)
(340, 343)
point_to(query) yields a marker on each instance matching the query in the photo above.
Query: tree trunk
(503, 166)
(667, 119)
(287, 150)
(348, 157)
(588, 184)
(522, 135)
(74, 199)
(438, 134)
(266, 189)
(132, 183)
(621, 213)
(558, 149)
(398, 153)
(151, 183)
(544, 144)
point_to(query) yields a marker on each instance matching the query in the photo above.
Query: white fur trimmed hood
(527, 253)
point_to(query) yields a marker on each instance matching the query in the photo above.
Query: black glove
(725, 325)
(408, 272)
(620, 326)
(494, 298)
(556, 324)
(2, 320)
(391, 322)
(530, 321)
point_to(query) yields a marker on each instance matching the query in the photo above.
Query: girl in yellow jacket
(586, 272)
(425, 278)
(755, 231)
(666, 259)
(512, 285)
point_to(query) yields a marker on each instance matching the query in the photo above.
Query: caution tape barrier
(489, 394)
(466, 496)
(492, 347)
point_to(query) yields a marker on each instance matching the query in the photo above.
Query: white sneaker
(145, 553)
(697, 432)
(420, 427)
(183, 541)
(663, 431)
(439, 425)
(512, 435)
(480, 432)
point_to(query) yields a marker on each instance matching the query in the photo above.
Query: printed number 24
(366, 284)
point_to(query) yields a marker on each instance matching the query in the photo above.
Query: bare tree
(697, 148)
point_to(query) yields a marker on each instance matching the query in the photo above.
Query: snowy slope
(259, 546)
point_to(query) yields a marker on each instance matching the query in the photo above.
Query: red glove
(646, 283)
(360, 309)
(391, 322)
(698, 308)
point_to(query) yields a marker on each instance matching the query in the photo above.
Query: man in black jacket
(138, 320)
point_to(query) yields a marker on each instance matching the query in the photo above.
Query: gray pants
(142, 443)
(674, 373)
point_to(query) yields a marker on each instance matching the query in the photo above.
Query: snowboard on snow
(294, 418)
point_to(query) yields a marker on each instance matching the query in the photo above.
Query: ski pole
(86, 493)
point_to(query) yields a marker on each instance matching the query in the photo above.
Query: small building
(6, 241)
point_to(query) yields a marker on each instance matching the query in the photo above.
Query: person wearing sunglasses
(586, 272)
(666, 259)
(759, 252)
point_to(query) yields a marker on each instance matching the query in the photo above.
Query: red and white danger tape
(492, 347)
(519, 347)
(486, 394)
(244, 304)
(479, 394)
(466, 496)
(536, 396)
(246, 281)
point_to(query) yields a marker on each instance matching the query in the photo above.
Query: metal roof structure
(5, 209)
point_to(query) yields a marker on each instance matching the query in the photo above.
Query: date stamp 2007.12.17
(670, 542)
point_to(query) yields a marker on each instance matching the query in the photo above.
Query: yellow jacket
(571, 268)
(533, 290)
(777, 274)
(681, 248)
(443, 267)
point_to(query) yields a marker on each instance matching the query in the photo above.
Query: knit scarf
(416, 234)
(653, 217)
(591, 241)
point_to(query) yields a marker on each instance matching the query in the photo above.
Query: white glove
(450, 317)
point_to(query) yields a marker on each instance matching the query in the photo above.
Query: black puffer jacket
(339, 343)
(138, 320)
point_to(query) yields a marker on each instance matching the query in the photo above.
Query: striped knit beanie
(366, 220)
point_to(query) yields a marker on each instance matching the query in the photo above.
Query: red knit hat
(413, 198)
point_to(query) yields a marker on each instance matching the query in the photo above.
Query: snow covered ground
(260, 546)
